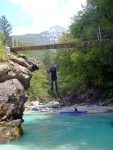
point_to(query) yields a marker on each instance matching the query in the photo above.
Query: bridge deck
(63, 45)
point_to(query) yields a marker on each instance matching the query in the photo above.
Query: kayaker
(75, 109)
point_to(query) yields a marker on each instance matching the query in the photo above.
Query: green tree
(38, 84)
(66, 68)
(1, 40)
(96, 14)
(6, 30)
(3, 56)
(97, 61)
(88, 67)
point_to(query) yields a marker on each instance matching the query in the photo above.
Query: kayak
(75, 112)
(36, 109)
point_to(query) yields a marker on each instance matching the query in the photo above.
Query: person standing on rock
(53, 71)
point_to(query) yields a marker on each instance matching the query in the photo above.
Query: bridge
(63, 45)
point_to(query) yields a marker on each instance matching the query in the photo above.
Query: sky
(36, 16)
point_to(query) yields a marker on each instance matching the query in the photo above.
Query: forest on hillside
(80, 69)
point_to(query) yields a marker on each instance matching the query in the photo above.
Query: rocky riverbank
(90, 108)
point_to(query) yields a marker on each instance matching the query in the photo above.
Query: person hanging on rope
(53, 71)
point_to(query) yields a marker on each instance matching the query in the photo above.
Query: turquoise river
(53, 131)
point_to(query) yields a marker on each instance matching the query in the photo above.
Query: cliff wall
(15, 75)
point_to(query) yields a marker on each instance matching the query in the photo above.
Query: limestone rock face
(12, 70)
(15, 75)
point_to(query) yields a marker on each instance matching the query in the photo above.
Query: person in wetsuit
(53, 70)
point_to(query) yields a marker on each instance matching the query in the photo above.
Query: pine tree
(5, 30)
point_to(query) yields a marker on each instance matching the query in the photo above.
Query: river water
(64, 132)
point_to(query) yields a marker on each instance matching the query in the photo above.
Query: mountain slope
(47, 37)
(32, 39)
